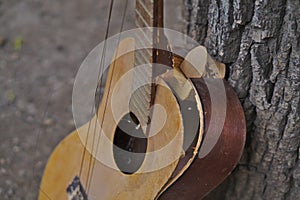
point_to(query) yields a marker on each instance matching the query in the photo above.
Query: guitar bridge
(76, 191)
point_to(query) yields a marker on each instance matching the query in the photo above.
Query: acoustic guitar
(167, 126)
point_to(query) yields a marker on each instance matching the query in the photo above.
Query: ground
(42, 44)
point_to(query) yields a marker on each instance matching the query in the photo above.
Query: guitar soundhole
(130, 144)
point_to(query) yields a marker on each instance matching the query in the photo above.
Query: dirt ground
(42, 44)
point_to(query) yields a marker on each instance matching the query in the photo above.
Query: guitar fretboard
(141, 99)
(149, 13)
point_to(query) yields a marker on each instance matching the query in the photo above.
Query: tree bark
(259, 41)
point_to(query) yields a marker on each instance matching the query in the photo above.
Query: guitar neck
(149, 13)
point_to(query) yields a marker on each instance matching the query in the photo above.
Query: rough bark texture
(259, 41)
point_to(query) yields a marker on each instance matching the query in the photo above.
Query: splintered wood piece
(194, 63)
(214, 69)
(198, 63)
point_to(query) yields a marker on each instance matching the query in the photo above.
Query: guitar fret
(140, 97)
(140, 108)
(142, 80)
(140, 16)
(147, 4)
(145, 54)
(141, 5)
(144, 90)
(145, 36)
(143, 76)
(141, 100)
(146, 72)
(140, 60)
(142, 43)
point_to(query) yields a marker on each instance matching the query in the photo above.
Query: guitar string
(110, 81)
(98, 79)
(92, 160)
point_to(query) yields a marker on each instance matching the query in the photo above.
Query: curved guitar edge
(61, 167)
(65, 163)
(207, 173)
(191, 109)
(65, 160)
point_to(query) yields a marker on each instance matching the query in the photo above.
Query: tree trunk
(259, 41)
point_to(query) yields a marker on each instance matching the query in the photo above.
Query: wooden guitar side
(205, 174)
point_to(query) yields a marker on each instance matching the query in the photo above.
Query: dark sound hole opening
(130, 144)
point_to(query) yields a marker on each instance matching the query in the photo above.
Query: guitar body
(89, 153)
(160, 141)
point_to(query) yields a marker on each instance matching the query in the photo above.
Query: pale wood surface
(107, 183)
(198, 63)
